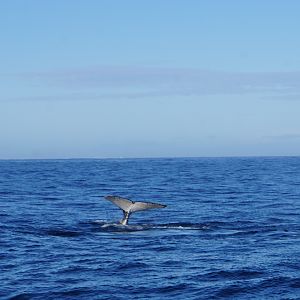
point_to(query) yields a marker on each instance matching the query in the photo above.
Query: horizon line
(152, 157)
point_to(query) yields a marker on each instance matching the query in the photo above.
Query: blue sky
(149, 78)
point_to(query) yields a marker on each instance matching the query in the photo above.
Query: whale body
(128, 206)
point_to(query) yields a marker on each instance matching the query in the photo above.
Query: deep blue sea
(231, 229)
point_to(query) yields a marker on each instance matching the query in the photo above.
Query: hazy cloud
(117, 82)
(283, 96)
(284, 137)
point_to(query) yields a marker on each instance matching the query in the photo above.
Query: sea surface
(231, 229)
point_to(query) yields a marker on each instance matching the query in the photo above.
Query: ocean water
(231, 229)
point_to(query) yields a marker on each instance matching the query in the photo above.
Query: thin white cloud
(133, 82)
(285, 97)
(284, 137)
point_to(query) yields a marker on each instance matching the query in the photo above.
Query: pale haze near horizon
(100, 79)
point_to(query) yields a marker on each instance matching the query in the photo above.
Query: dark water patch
(6, 193)
(162, 248)
(80, 292)
(21, 229)
(281, 281)
(293, 264)
(232, 275)
(170, 289)
(172, 263)
(63, 233)
(23, 296)
(231, 291)
(133, 265)
(50, 198)
(50, 187)
(73, 270)
(257, 231)
(295, 283)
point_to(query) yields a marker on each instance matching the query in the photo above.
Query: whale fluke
(128, 207)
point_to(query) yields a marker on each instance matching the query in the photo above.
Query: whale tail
(128, 207)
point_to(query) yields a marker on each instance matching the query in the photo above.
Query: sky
(159, 78)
